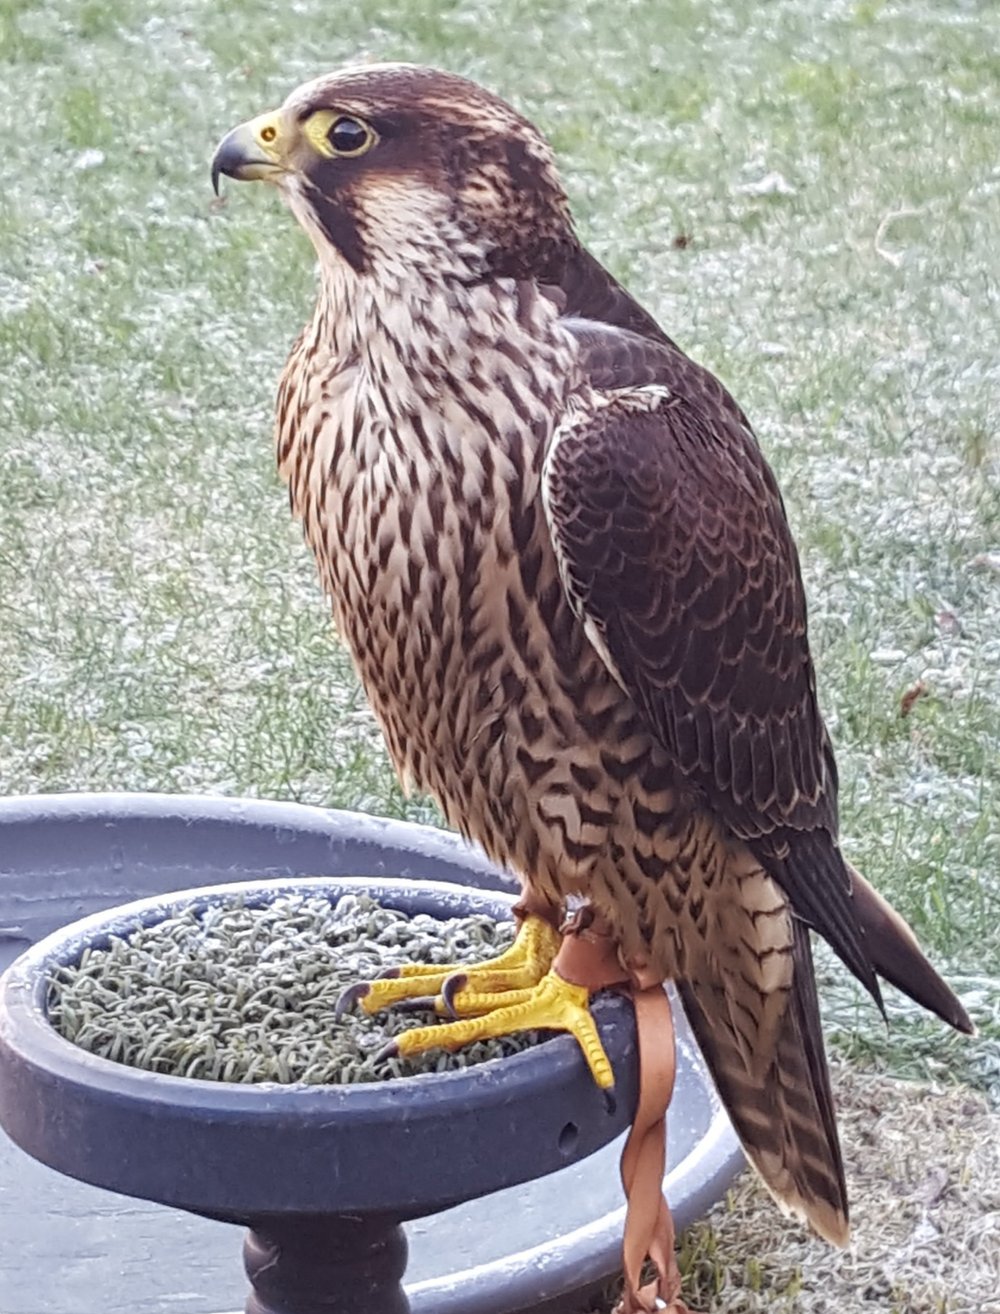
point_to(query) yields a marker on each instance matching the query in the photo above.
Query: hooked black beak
(249, 152)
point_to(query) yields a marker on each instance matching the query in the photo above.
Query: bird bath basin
(493, 1165)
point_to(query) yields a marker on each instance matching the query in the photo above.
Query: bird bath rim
(62, 855)
(525, 1094)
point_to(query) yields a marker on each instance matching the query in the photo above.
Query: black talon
(450, 988)
(419, 1004)
(349, 997)
(387, 1052)
(610, 1101)
(387, 974)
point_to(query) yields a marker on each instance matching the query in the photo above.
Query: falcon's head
(399, 169)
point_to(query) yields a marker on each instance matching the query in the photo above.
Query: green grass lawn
(807, 192)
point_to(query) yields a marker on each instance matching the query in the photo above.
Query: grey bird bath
(496, 1162)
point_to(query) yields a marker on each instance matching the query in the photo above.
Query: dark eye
(349, 136)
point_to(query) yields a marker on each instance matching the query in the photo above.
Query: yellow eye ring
(339, 136)
(268, 133)
(349, 137)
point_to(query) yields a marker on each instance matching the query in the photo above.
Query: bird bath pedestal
(322, 1176)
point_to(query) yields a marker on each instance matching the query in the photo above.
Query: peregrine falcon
(563, 568)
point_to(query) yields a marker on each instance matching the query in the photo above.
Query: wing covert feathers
(674, 550)
(673, 539)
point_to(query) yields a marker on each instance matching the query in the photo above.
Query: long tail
(777, 1090)
(894, 953)
(782, 1111)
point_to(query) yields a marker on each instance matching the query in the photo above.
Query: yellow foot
(425, 985)
(517, 991)
(552, 1005)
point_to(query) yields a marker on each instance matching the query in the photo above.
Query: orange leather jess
(588, 957)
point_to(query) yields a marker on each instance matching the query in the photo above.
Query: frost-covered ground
(923, 1176)
(807, 192)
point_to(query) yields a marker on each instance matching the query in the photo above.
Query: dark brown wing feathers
(675, 544)
(675, 547)
(895, 955)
